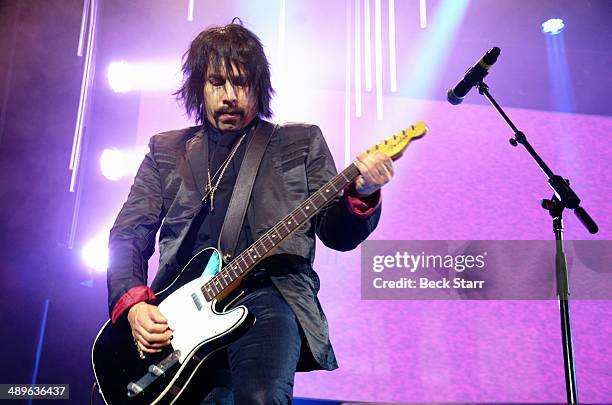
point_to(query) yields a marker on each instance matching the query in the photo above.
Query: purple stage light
(120, 77)
(95, 253)
(552, 26)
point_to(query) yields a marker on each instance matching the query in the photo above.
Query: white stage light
(120, 77)
(116, 164)
(145, 76)
(95, 253)
(553, 26)
(113, 164)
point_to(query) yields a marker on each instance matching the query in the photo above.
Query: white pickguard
(193, 326)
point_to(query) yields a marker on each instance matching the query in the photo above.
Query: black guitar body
(125, 378)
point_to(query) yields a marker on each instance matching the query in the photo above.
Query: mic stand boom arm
(564, 197)
(563, 192)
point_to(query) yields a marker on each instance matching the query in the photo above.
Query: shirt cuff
(361, 206)
(133, 296)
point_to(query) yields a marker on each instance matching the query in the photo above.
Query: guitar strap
(241, 195)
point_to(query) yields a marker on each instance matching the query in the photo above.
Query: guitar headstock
(394, 146)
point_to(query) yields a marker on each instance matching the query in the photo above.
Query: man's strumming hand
(149, 327)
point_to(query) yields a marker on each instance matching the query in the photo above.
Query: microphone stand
(564, 197)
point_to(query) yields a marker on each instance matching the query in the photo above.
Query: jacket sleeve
(132, 237)
(347, 220)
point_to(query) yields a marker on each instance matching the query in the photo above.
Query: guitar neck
(229, 276)
(250, 257)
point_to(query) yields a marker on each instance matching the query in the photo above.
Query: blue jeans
(262, 363)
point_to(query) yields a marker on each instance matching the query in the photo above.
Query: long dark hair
(226, 46)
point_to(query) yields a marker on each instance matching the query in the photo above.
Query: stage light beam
(421, 78)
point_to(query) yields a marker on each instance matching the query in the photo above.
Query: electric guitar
(192, 303)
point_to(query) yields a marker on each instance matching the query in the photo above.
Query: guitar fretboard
(250, 257)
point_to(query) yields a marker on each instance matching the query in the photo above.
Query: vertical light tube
(378, 57)
(392, 57)
(367, 45)
(279, 58)
(190, 7)
(281, 29)
(358, 108)
(347, 86)
(85, 85)
(423, 13)
(75, 159)
(83, 26)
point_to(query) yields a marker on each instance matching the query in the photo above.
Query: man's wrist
(362, 206)
(361, 195)
(133, 296)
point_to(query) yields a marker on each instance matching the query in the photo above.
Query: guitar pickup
(196, 301)
(156, 371)
(134, 389)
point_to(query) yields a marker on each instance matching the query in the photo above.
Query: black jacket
(167, 192)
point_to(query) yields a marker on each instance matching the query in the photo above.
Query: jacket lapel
(197, 157)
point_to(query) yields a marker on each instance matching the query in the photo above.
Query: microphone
(473, 75)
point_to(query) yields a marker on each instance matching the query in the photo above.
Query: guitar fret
(240, 268)
(253, 253)
(222, 281)
(249, 260)
(212, 287)
(303, 212)
(208, 288)
(285, 228)
(269, 238)
(246, 264)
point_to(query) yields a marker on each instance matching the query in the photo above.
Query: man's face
(229, 106)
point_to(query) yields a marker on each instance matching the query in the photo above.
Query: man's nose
(230, 93)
